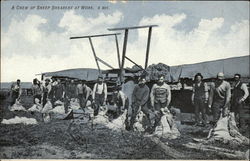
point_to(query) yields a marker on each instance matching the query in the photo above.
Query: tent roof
(87, 74)
(209, 69)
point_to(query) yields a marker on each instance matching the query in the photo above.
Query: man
(121, 101)
(46, 91)
(219, 98)
(239, 95)
(99, 94)
(59, 91)
(16, 92)
(160, 98)
(199, 99)
(139, 101)
(87, 92)
(70, 93)
(37, 90)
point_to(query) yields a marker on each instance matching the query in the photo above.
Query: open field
(78, 139)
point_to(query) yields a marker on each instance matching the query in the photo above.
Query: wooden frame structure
(126, 30)
(97, 59)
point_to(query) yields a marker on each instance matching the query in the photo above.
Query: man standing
(46, 91)
(199, 99)
(70, 93)
(219, 98)
(37, 90)
(239, 95)
(139, 100)
(99, 94)
(160, 98)
(59, 91)
(16, 92)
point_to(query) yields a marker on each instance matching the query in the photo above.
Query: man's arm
(192, 97)
(206, 92)
(105, 92)
(169, 95)
(146, 95)
(87, 92)
(246, 92)
(152, 95)
(211, 95)
(228, 94)
(94, 89)
(133, 94)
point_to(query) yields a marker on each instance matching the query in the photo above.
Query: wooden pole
(148, 46)
(119, 61)
(92, 47)
(124, 52)
(118, 53)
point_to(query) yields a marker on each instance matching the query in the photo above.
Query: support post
(93, 50)
(124, 52)
(148, 46)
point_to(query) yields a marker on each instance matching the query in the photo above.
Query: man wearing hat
(99, 94)
(160, 98)
(140, 97)
(46, 88)
(219, 98)
(199, 99)
(16, 92)
(120, 100)
(239, 95)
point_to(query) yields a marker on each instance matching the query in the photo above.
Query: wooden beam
(167, 150)
(118, 52)
(124, 52)
(148, 46)
(132, 27)
(103, 62)
(101, 35)
(93, 50)
(133, 62)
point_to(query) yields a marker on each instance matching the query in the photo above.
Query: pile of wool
(17, 107)
(20, 120)
(167, 127)
(226, 131)
(37, 107)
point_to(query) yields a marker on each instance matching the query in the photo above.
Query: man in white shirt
(160, 98)
(99, 94)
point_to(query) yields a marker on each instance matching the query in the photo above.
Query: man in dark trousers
(70, 92)
(36, 90)
(121, 101)
(199, 99)
(140, 97)
(99, 94)
(160, 98)
(219, 97)
(16, 92)
(46, 91)
(239, 95)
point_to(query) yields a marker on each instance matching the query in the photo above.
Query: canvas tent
(210, 69)
(87, 74)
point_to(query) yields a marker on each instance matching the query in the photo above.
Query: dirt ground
(77, 139)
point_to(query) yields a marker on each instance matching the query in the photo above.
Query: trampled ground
(77, 139)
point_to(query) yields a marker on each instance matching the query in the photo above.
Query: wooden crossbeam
(88, 36)
(103, 62)
(132, 27)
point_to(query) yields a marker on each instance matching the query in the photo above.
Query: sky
(35, 34)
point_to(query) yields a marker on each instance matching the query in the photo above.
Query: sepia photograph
(124, 79)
